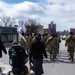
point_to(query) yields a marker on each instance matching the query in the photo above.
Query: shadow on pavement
(62, 57)
(59, 61)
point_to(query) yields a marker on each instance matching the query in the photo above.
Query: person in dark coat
(2, 48)
(36, 55)
(19, 55)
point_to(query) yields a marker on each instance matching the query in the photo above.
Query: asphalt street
(61, 65)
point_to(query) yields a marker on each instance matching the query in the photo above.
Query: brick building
(51, 29)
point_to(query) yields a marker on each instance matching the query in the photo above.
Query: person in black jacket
(2, 48)
(17, 54)
(17, 59)
(36, 54)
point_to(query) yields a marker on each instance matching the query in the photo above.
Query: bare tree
(7, 21)
(0, 23)
(32, 26)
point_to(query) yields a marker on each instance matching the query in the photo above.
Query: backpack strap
(71, 39)
(22, 37)
(51, 39)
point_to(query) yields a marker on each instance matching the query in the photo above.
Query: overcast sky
(62, 12)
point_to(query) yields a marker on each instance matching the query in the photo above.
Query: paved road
(61, 66)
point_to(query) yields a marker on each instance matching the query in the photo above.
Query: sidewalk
(5, 67)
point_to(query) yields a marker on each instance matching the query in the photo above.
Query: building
(51, 29)
(73, 30)
(52, 26)
(8, 34)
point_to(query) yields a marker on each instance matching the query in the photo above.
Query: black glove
(31, 65)
(30, 60)
(46, 57)
(6, 52)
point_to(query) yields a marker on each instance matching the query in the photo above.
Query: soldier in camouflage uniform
(29, 40)
(34, 38)
(23, 42)
(52, 44)
(70, 43)
(44, 38)
(58, 43)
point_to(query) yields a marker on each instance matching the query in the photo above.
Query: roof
(8, 30)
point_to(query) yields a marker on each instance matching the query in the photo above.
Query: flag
(21, 28)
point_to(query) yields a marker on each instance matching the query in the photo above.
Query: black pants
(37, 74)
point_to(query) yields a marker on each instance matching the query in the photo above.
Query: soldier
(70, 43)
(29, 40)
(34, 38)
(52, 44)
(23, 42)
(44, 38)
(58, 42)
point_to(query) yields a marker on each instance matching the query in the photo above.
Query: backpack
(71, 39)
(51, 39)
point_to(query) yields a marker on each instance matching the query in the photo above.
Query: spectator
(19, 54)
(2, 48)
(36, 54)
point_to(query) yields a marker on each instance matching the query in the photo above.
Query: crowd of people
(35, 48)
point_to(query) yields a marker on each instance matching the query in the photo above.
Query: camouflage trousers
(71, 53)
(52, 52)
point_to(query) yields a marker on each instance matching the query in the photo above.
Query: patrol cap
(43, 34)
(38, 37)
(56, 35)
(27, 34)
(52, 34)
(35, 34)
(23, 33)
(46, 34)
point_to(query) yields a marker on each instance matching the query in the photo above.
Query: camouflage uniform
(23, 43)
(70, 43)
(58, 42)
(34, 38)
(29, 40)
(44, 39)
(52, 45)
